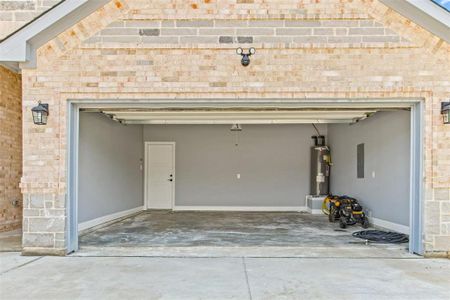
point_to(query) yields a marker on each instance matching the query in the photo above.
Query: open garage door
(232, 158)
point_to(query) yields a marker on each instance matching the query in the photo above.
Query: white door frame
(417, 145)
(146, 172)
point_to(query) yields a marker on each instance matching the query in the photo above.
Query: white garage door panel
(236, 116)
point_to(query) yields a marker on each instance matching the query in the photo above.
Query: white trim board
(241, 208)
(21, 46)
(416, 244)
(389, 225)
(238, 116)
(424, 13)
(108, 218)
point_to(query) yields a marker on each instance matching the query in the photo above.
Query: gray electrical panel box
(360, 161)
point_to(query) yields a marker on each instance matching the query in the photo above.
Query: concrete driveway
(222, 278)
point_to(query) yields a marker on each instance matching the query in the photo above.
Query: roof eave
(21, 46)
(424, 13)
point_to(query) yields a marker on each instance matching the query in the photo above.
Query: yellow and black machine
(345, 209)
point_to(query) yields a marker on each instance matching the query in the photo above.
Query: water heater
(320, 167)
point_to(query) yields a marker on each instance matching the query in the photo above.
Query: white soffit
(239, 117)
(424, 13)
(21, 46)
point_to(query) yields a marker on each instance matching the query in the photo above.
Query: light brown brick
(11, 153)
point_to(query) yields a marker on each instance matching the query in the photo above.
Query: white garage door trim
(416, 180)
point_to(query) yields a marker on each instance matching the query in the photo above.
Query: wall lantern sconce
(245, 61)
(445, 111)
(40, 113)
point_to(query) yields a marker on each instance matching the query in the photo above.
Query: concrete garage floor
(223, 278)
(280, 234)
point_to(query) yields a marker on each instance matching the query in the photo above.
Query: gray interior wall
(273, 161)
(386, 136)
(110, 175)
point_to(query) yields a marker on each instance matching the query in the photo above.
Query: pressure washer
(345, 209)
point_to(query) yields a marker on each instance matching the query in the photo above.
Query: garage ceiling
(303, 116)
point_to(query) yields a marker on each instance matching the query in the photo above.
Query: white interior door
(160, 175)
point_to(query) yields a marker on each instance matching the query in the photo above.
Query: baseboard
(389, 225)
(108, 218)
(240, 208)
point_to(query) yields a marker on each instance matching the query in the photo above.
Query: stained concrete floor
(279, 234)
(223, 278)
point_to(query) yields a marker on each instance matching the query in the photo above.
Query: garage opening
(215, 181)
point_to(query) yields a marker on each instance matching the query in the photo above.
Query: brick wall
(10, 149)
(147, 50)
(288, 33)
(16, 13)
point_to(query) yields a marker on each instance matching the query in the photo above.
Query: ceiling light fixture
(236, 128)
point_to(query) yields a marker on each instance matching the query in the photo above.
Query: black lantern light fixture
(40, 113)
(245, 61)
(445, 111)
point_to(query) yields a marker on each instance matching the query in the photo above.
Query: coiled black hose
(382, 237)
